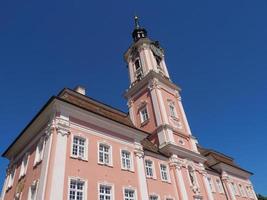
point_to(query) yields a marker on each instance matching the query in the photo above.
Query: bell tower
(154, 101)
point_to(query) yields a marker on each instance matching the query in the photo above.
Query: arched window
(138, 69)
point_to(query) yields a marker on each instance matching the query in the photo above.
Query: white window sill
(166, 181)
(37, 163)
(105, 164)
(79, 158)
(129, 170)
(144, 122)
(151, 177)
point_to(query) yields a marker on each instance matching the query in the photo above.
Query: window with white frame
(10, 178)
(105, 192)
(211, 184)
(77, 189)
(153, 197)
(144, 114)
(126, 160)
(241, 189)
(104, 154)
(79, 147)
(219, 185)
(39, 152)
(234, 188)
(164, 172)
(24, 165)
(249, 191)
(32, 191)
(129, 194)
(149, 168)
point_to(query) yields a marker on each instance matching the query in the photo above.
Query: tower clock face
(157, 51)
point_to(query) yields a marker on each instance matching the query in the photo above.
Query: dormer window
(138, 69)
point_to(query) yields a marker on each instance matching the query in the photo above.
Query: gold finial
(136, 21)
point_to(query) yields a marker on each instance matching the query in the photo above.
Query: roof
(95, 106)
(83, 102)
(220, 158)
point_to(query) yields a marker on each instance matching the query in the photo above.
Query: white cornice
(162, 81)
(182, 152)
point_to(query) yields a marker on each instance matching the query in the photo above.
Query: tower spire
(138, 31)
(136, 22)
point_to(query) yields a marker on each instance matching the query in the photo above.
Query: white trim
(85, 157)
(154, 176)
(142, 118)
(207, 186)
(181, 184)
(130, 188)
(39, 155)
(105, 183)
(141, 171)
(60, 154)
(81, 180)
(219, 188)
(36, 183)
(44, 170)
(23, 168)
(131, 160)
(110, 153)
(167, 171)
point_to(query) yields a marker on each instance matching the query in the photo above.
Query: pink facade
(77, 148)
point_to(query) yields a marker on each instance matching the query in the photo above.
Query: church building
(77, 148)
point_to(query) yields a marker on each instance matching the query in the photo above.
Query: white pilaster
(62, 125)
(45, 162)
(139, 156)
(207, 186)
(227, 187)
(179, 176)
(162, 107)
(152, 86)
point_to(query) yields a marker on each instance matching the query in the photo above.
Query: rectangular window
(153, 197)
(104, 154)
(234, 188)
(76, 189)
(10, 180)
(39, 152)
(241, 189)
(129, 194)
(79, 147)
(164, 172)
(144, 115)
(24, 164)
(126, 160)
(219, 185)
(105, 192)
(211, 184)
(149, 168)
(32, 191)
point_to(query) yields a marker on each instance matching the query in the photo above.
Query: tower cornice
(145, 82)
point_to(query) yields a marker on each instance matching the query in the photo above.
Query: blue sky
(215, 50)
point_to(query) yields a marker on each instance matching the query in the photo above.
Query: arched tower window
(138, 69)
